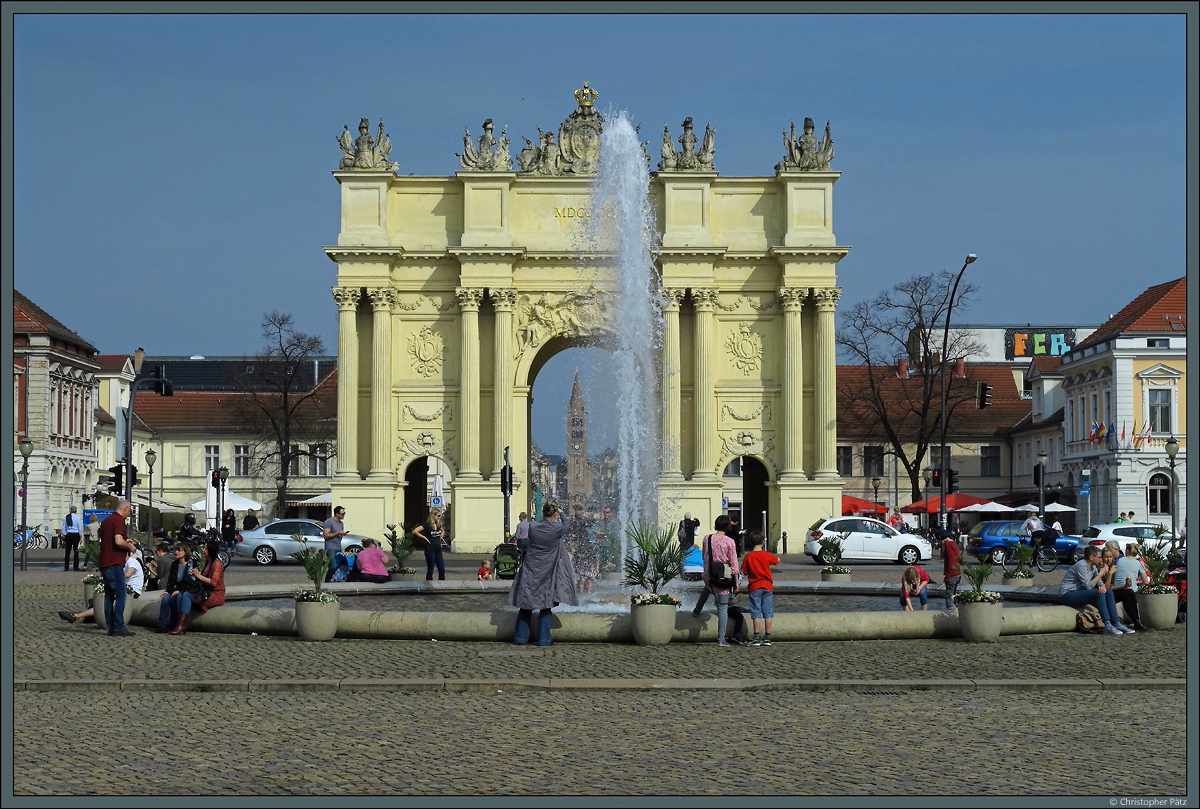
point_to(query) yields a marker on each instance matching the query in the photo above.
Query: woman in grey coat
(545, 578)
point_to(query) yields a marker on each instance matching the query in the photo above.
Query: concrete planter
(980, 623)
(317, 620)
(835, 576)
(402, 576)
(98, 610)
(1012, 581)
(1158, 610)
(653, 624)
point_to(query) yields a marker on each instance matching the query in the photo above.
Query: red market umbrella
(857, 505)
(953, 502)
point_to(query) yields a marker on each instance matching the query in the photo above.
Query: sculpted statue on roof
(365, 152)
(804, 153)
(686, 158)
(490, 154)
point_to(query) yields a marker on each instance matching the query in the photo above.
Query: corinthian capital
(469, 298)
(826, 298)
(381, 298)
(504, 300)
(705, 300)
(672, 298)
(793, 298)
(346, 297)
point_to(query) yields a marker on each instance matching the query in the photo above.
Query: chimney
(901, 367)
(959, 370)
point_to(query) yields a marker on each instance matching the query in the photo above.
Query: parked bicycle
(1043, 557)
(37, 540)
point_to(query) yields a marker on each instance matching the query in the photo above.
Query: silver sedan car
(273, 542)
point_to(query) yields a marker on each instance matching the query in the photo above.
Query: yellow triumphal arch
(447, 287)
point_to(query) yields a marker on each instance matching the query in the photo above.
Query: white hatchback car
(866, 540)
(1122, 532)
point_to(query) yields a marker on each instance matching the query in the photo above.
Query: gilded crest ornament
(425, 347)
(746, 349)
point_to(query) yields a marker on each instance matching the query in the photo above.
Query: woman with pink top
(370, 564)
(717, 547)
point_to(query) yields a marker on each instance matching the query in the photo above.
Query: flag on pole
(1092, 436)
(1122, 431)
(1101, 432)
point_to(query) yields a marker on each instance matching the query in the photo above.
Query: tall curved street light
(945, 342)
(151, 457)
(1172, 448)
(26, 447)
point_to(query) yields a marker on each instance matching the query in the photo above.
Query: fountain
(623, 226)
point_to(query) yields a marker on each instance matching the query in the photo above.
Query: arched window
(1160, 494)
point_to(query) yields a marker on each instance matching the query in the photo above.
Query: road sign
(20, 492)
(435, 501)
(724, 503)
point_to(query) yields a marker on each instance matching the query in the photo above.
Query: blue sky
(184, 159)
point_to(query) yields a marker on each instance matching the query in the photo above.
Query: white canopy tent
(1059, 507)
(320, 500)
(989, 506)
(140, 499)
(232, 500)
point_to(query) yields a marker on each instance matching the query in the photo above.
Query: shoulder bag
(720, 574)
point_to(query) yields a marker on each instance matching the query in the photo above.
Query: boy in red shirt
(757, 566)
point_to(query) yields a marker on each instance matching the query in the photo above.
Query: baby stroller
(505, 561)
(693, 564)
(342, 565)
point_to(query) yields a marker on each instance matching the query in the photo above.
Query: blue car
(987, 542)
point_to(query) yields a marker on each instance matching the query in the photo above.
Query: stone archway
(449, 288)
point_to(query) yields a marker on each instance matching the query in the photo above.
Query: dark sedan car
(987, 542)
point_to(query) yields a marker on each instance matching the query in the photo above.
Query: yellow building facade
(453, 292)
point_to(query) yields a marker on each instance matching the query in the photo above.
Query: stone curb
(597, 684)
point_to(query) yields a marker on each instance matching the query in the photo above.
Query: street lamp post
(927, 473)
(942, 359)
(223, 475)
(1041, 456)
(875, 485)
(26, 447)
(281, 488)
(1172, 448)
(151, 457)
(139, 356)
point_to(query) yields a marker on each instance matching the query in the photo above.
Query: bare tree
(902, 329)
(285, 402)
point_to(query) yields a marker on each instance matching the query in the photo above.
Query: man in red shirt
(114, 550)
(951, 571)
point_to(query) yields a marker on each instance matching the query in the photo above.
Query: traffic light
(216, 480)
(135, 480)
(506, 481)
(937, 479)
(1037, 474)
(162, 385)
(117, 485)
(983, 395)
(951, 481)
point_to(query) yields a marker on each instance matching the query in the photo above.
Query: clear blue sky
(183, 160)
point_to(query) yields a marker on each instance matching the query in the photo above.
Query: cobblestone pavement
(465, 743)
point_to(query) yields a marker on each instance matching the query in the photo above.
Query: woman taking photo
(428, 536)
(544, 579)
(190, 586)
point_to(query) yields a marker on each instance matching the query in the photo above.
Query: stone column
(504, 301)
(468, 383)
(347, 390)
(381, 382)
(672, 440)
(705, 301)
(793, 380)
(826, 299)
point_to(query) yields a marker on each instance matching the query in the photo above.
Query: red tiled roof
(856, 419)
(1047, 364)
(193, 410)
(1153, 311)
(29, 317)
(112, 362)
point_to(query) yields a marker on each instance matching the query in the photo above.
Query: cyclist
(1033, 528)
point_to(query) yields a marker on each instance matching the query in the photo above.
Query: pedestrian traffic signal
(1037, 474)
(216, 480)
(506, 481)
(937, 479)
(135, 480)
(983, 395)
(117, 485)
(951, 481)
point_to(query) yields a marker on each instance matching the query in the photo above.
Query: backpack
(682, 533)
(1088, 620)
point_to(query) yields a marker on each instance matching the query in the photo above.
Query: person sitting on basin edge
(544, 579)
(1125, 573)
(914, 582)
(370, 564)
(189, 586)
(1083, 584)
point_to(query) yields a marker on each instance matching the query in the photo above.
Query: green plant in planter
(978, 576)
(402, 548)
(831, 548)
(316, 565)
(655, 560)
(1155, 557)
(91, 555)
(1022, 554)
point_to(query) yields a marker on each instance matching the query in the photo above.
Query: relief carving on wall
(426, 347)
(764, 411)
(746, 349)
(747, 443)
(425, 443)
(573, 314)
(407, 412)
(413, 303)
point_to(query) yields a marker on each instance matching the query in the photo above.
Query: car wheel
(816, 559)
(224, 557)
(909, 555)
(996, 557)
(1076, 554)
(264, 554)
(830, 557)
(354, 549)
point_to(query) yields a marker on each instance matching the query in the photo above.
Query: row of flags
(1107, 435)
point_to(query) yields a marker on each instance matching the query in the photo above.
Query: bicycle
(1044, 558)
(37, 540)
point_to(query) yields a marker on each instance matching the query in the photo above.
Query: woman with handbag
(190, 586)
(720, 572)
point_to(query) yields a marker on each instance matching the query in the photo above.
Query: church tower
(579, 477)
